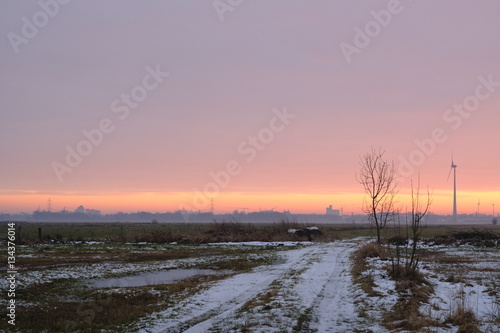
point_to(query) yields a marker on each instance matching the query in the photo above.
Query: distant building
(82, 210)
(93, 211)
(331, 211)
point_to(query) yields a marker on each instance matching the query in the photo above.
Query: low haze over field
(165, 105)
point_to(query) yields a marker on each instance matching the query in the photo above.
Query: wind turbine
(454, 167)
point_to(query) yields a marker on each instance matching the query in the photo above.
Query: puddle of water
(150, 278)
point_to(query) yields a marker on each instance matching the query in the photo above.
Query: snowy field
(462, 279)
(293, 287)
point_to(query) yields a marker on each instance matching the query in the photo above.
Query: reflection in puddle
(150, 278)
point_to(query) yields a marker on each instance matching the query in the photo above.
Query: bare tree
(418, 210)
(377, 176)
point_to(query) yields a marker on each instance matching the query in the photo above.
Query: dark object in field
(475, 237)
(308, 232)
(398, 241)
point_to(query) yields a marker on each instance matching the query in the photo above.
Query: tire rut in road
(260, 280)
(333, 309)
(230, 318)
(293, 298)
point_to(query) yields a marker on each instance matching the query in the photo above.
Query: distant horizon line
(235, 212)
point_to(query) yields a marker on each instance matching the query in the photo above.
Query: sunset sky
(163, 105)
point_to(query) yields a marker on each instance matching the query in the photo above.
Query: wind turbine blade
(449, 173)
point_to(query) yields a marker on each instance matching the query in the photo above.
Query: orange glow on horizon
(229, 202)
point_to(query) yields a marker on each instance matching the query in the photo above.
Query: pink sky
(225, 78)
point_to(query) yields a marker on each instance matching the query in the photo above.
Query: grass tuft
(465, 319)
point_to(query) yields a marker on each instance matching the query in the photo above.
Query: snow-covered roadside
(311, 287)
(476, 289)
(471, 284)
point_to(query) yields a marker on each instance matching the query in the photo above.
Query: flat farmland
(280, 284)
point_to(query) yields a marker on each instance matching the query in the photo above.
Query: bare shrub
(411, 284)
(406, 254)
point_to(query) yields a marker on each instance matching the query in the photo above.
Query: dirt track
(310, 290)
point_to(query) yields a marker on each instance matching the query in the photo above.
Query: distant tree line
(178, 216)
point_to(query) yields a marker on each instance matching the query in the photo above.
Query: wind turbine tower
(454, 167)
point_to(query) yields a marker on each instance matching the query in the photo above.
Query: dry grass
(198, 233)
(359, 266)
(486, 236)
(443, 258)
(414, 290)
(182, 233)
(465, 319)
(405, 315)
(411, 285)
(372, 250)
(462, 315)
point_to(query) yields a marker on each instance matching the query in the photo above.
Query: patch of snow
(312, 228)
(84, 242)
(287, 243)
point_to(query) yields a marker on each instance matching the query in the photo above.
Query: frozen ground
(464, 277)
(302, 288)
(310, 289)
